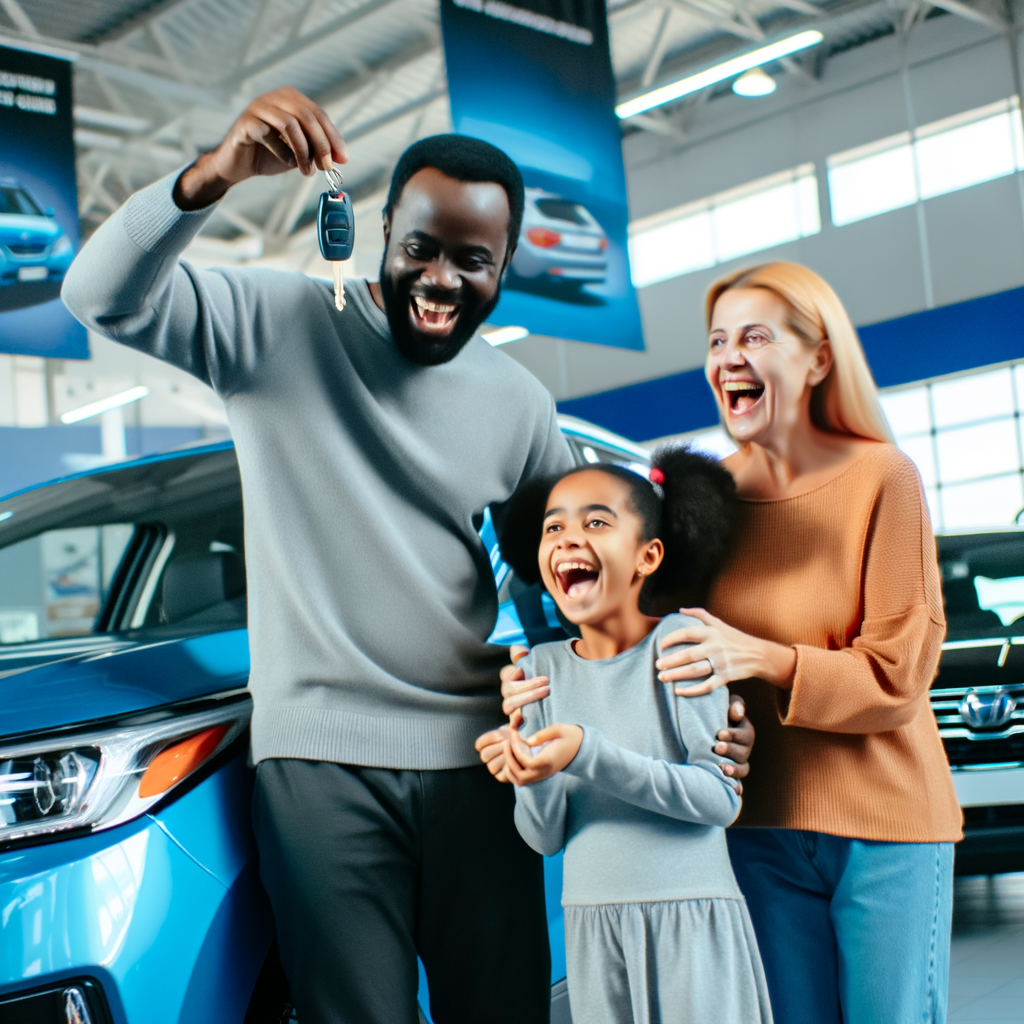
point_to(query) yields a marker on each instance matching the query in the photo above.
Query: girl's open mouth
(576, 577)
(742, 395)
(437, 318)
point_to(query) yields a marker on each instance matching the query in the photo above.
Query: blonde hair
(846, 401)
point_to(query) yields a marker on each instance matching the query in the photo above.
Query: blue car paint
(173, 934)
(121, 681)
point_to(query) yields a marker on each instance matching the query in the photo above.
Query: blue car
(128, 883)
(35, 252)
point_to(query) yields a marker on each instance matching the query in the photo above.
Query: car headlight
(101, 778)
(61, 246)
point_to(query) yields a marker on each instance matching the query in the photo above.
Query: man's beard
(417, 346)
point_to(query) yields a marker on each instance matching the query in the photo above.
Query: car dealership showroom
(587, 321)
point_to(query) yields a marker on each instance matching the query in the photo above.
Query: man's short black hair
(465, 159)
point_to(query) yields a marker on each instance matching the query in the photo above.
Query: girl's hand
(561, 744)
(491, 748)
(517, 691)
(729, 654)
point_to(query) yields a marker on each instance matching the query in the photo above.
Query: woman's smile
(742, 395)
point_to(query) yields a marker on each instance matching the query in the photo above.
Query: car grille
(26, 250)
(970, 745)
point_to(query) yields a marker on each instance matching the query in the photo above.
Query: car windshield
(983, 583)
(561, 209)
(143, 547)
(17, 200)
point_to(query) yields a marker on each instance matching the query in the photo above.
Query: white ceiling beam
(658, 47)
(973, 14)
(22, 22)
(155, 85)
(134, 22)
(303, 42)
(86, 140)
(255, 36)
(801, 7)
(171, 55)
(692, 7)
(96, 118)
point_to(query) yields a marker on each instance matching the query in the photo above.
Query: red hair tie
(656, 476)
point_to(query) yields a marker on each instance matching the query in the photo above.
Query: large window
(941, 157)
(769, 211)
(965, 435)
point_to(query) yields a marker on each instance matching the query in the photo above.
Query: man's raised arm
(127, 283)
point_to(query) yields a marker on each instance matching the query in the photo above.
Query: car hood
(14, 225)
(43, 691)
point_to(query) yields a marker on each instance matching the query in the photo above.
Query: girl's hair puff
(694, 520)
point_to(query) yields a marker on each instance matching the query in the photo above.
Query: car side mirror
(48, 211)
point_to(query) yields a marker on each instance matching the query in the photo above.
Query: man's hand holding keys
(276, 132)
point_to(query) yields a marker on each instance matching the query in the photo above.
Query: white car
(560, 241)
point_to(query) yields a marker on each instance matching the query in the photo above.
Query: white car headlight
(104, 777)
(61, 246)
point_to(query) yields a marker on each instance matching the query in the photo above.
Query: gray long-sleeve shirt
(371, 596)
(642, 807)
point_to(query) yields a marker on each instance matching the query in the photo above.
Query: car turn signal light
(543, 237)
(170, 766)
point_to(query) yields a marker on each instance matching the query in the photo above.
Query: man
(370, 442)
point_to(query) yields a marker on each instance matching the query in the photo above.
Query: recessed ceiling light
(756, 82)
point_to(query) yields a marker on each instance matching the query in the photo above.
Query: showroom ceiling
(157, 81)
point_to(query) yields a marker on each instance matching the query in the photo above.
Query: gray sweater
(642, 807)
(365, 477)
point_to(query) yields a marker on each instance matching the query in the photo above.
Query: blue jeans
(850, 931)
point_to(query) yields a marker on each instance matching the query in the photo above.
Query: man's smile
(432, 317)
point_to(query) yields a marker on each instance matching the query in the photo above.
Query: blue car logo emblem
(985, 711)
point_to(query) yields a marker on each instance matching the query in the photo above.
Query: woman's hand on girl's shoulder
(720, 654)
(559, 744)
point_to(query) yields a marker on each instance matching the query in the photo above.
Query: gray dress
(656, 929)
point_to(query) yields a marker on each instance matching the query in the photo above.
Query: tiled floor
(986, 977)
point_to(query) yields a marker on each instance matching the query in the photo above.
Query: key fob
(336, 226)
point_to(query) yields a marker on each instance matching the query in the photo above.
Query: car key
(336, 230)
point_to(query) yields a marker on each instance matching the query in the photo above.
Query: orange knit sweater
(846, 573)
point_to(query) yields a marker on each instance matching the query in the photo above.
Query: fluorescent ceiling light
(503, 335)
(105, 405)
(109, 119)
(755, 82)
(719, 73)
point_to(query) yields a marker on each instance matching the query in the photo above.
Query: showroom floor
(986, 982)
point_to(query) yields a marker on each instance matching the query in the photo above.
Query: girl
(621, 773)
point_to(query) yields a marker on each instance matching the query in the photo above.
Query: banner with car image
(535, 79)
(38, 206)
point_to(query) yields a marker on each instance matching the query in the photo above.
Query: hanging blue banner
(535, 79)
(38, 206)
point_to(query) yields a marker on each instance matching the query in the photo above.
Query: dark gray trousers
(366, 867)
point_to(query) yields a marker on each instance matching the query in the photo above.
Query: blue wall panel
(950, 339)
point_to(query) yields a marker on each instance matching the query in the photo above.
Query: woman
(828, 620)
(830, 609)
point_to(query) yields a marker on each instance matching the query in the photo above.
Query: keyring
(334, 179)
